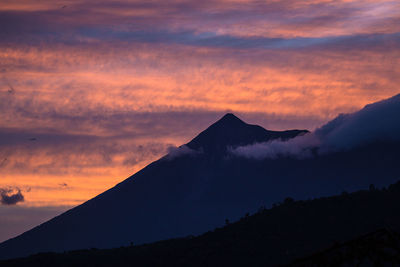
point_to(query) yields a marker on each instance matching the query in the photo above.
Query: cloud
(184, 150)
(300, 147)
(86, 20)
(377, 122)
(75, 156)
(10, 196)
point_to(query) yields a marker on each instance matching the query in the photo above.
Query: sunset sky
(92, 91)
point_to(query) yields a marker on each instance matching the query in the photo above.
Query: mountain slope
(192, 193)
(279, 235)
(230, 131)
(168, 198)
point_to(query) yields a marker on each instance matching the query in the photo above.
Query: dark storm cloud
(10, 196)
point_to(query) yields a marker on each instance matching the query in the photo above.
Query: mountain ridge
(230, 131)
(190, 195)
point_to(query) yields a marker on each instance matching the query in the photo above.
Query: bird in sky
(11, 89)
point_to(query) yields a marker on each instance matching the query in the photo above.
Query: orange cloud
(96, 80)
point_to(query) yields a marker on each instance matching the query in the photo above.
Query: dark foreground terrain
(343, 230)
(378, 248)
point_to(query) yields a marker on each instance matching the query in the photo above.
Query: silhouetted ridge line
(377, 248)
(230, 131)
(349, 228)
(230, 119)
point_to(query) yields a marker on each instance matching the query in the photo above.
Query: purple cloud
(10, 196)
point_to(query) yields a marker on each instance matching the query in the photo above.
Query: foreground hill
(271, 237)
(378, 248)
(198, 186)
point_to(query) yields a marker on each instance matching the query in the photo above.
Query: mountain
(230, 131)
(200, 185)
(351, 229)
(377, 248)
(170, 197)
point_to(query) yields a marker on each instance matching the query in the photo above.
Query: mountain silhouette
(190, 194)
(230, 131)
(350, 229)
